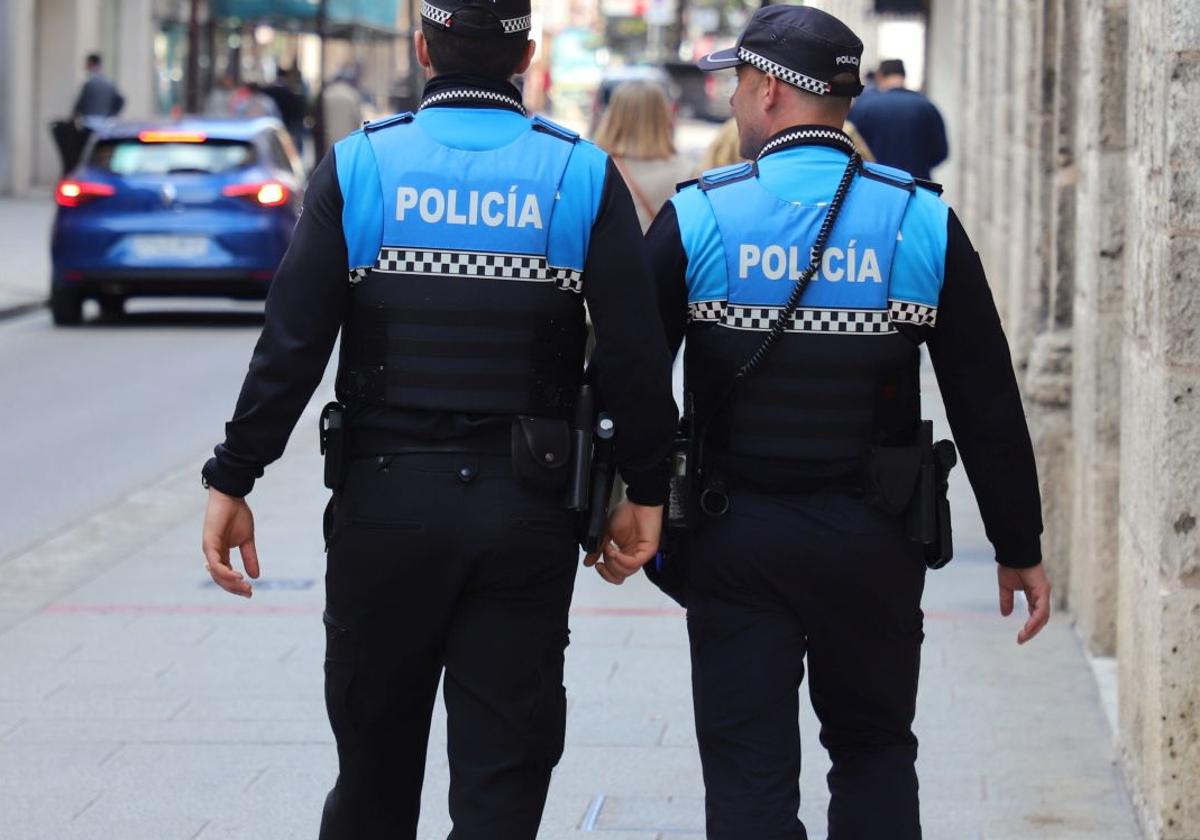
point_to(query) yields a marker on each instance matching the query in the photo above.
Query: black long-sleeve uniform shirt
(974, 369)
(310, 298)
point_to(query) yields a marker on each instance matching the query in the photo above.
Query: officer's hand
(1036, 586)
(630, 542)
(228, 522)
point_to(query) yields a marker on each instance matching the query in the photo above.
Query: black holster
(591, 469)
(914, 481)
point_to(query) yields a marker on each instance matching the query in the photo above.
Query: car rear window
(133, 157)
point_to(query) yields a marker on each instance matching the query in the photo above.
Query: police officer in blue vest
(454, 251)
(811, 464)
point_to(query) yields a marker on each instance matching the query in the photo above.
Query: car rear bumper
(246, 285)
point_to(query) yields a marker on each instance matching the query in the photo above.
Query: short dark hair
(496, 58)
(891, 67)
(93, 60)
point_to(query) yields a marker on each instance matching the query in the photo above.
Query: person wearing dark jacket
(802, 550)
(454, 251)
(902, 127)
(98, 98)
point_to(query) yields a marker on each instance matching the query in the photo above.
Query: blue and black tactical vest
(467, 269)
(845, 375)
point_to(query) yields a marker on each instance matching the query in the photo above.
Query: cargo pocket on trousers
(341, 657)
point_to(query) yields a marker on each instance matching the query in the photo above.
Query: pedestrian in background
(98, 98)
(341, 105)
(902, 127)
(725, 148)
(453, 251)
(638, 133)
(291, 98)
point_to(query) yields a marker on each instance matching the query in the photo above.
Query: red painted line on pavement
(175, 609)
(231, 609)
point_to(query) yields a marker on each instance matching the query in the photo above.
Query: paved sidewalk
(25, 251)
(138, 702)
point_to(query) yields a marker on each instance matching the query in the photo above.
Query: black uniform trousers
(823, 576)
(443, 563)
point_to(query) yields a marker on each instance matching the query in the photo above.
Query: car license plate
(169, 247)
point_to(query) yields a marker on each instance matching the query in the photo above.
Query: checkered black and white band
(905, 312)
(476, 95)
(357, 275)
(792, 77)
(848, 321)
(830, 135)
(706, 311)
(527, 268)
(442, 18)
(845, 321)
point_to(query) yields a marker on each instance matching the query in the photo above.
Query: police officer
(795, 557)
(454, 251)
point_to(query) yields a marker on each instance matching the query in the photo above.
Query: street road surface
(96, 412)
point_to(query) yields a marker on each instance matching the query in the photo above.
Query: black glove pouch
(891, 478)
(541, 449)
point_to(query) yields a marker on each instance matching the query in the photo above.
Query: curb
(21, 309)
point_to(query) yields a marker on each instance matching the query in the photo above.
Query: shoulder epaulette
(932, 186)
(889, 175)
(683, 185)
(544, 125)
(387, 122)
(727, 175)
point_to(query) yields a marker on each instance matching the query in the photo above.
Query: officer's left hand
(228, 522)
(630, 542)
(1036, 586)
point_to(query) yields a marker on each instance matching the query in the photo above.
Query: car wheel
(112, 306)
(66, 306)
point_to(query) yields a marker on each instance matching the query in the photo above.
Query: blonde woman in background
(723, 151)
(637, 131)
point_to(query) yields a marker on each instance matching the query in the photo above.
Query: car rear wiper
(189, 170)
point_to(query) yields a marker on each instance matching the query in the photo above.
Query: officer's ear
(772, 90)
(422, 49)
(530, 52)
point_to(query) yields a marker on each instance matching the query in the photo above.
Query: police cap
(509, 17)
(800, 45)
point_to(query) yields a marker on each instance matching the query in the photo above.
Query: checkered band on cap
(441, 17)
(792, 77)
(836, 321)
(526, 268)
(520, 24)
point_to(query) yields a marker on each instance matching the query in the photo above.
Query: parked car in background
(198, 207)
(702, 96)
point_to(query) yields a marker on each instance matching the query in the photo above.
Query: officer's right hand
(1036, 586)
(630, 542)
(228, 522)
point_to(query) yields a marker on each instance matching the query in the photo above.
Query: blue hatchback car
(197, 207)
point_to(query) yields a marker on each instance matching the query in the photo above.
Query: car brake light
(270, 194)
(172, 137)
(74, 193)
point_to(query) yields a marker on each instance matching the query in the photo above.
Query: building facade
(1076, 125)
(42, 47)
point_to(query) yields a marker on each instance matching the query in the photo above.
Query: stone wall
(1158, 628)
(1078, 172)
